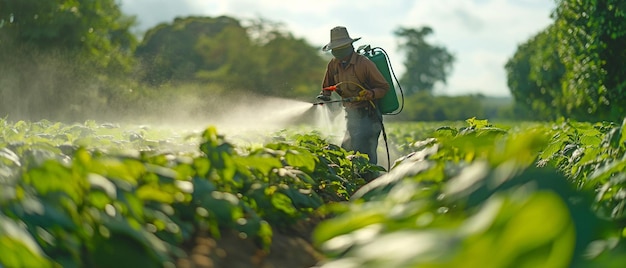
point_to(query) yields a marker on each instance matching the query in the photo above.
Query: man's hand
(367, 94)
(323, 97)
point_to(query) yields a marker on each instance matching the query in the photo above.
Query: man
(355, 76)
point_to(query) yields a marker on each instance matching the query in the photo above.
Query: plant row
(91, 195)
(527, 195)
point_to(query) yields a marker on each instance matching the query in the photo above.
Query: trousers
(363, 127)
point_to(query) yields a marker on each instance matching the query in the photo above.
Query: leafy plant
(542, 194)
(468, 193)
(85, 194)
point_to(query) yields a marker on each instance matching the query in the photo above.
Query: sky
(481, 34)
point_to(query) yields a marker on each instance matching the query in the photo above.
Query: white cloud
(482, 34)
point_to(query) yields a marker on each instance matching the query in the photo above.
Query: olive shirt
(359, 69)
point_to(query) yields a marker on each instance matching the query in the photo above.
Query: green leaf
(99, 199)
(525, 233)
(476, 123)
(128, 170)
(44, 214)
(283, 203)
(117, 240)
(132, 205)
(302, 198)
(225, 207)
(301, 159)
(202, 166)
(344, 224)
(53, 177)
(263, 164)
(152, 192)
(19, 249)
(552, 148)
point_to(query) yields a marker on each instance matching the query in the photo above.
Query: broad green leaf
(99, 199)
(549, 151)
(263, 164)
(283, 203)
(301, 159)
(347, 223)
(52, 177)
(128, 170)
(131, 204)
(19, 249)
(528, 239)
(224, 207)
(602, 174)
(152, 192)
(202, 166)
(45, 214)
(302, 198)
(118, 240)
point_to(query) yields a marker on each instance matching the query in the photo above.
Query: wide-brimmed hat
(339, 37)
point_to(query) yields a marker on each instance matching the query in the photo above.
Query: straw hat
(339, 37)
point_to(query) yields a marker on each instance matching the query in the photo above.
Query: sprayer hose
(360, 86)
(380, 119)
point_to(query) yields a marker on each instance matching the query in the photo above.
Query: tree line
(576, 66)
(77, 59)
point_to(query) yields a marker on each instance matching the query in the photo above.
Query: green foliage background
(75, 60)
(427, 64)
(575, 67)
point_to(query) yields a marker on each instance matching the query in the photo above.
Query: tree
(591, 38)
(576, 65)
(260, 57)
(96, 30)
(170, 52)
(263, 58)
(58, 57)
(230, 59)
(291, 66)
(425, 64)
(534, 75)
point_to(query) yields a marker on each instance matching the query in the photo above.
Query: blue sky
(482, 34)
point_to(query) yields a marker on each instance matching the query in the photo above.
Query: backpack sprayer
(388, 104)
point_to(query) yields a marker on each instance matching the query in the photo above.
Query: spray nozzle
(331, 88)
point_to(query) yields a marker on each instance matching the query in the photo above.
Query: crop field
(460, 194)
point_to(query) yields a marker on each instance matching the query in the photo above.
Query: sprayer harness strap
(360, 70)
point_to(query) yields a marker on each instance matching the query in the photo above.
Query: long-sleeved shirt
(356, 69)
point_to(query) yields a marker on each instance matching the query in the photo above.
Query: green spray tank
(388, 104)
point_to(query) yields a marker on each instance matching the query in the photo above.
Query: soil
(290, 248)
